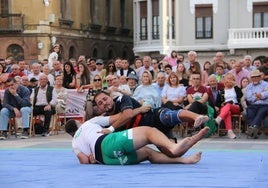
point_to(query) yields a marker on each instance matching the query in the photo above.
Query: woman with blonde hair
(173, 93)
(229, 103)
(147, 93)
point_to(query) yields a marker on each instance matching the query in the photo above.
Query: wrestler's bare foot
(200, 120)
(192, 159)
(185, 145)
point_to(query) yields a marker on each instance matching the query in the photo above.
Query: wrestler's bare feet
(200, 120)
(184, 145)
(192, 159)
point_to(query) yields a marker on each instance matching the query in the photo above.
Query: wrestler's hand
(104, 131)
(91, 159)
(145, 108)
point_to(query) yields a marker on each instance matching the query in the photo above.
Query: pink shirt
(238, 76)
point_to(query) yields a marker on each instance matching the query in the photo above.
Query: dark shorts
(170, 118)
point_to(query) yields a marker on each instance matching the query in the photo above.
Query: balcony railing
(11, 23)
(248, 38)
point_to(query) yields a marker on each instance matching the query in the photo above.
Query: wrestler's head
(71, 127)
(104, 102)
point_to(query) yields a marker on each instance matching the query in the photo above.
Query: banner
(75, 104)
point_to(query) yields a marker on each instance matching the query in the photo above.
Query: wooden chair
(12, 127)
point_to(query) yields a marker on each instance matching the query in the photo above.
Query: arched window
(16, 51)
(95, 52)
(71, 52)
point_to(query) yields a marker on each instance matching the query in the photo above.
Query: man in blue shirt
(16, 103)
(257, 97)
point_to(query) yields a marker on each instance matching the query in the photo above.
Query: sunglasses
(97, 80)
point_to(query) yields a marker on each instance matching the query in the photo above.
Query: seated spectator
(25, 82)
(264, 69)
(146, 93)
(173, 93)
(109, 80)
(195, 67)
(90, 107)
(132, 82)
(44, 102)
(51, 78)
(117, 89)
(219, 73)
(61, 95)
(160, 82)
(16, 103)
(125, 69)
(229, 103)
(239, 72)
(3, 76)
(182, 75)
(36, 71)
(257, 98)
(15, 71)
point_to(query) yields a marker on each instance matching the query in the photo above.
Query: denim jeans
(5, 114)
(170, 118)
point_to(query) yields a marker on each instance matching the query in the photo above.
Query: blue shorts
(170, 118)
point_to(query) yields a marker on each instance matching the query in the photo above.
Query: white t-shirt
(230, 95)
(51, 57)
(86, 136)
(171, 93)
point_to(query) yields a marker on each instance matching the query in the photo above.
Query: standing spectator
(74, 63)
(51, 78)
(23, 68)
(239, 72)
(182, 75)
(81, 58)
(91, 63)
(146, 66)
(229, 103)
(247, 63)
(109, 70)
(44, 102)
(207, 65)
(8, 63)
(219, 73)
(155, 68)
(137, 63)
(69, 76)
(257, 97)
(16, 104)
(99, 69)
(146, 93)
(172, 60)
(125, 70)
(57, 68)
(36, 71)
(82, 77)
(54, 55)
(264, 69)
(118, 63)
(173, 93)
(195, 68)
(256, 63)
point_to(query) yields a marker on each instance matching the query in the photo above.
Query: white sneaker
(231, 134)
(200, 120)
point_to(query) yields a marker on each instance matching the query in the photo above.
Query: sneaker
(46, 134)
(3, 136)
(200, 120)
(218, 120)
(231, 134)
(24, 135)
(252, 131)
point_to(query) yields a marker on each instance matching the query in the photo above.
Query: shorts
(118, 148)
(169, 117)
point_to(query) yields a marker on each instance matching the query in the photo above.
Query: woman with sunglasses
(109, 70)
(91, 109)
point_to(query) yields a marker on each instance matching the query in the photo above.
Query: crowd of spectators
(226, 86)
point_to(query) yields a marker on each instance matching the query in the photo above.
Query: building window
(260, 15)
(4, 6)
(122, 13)
(155, 26)
(203, 21)
(143, 21)
(16, 51)
(108, 12)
